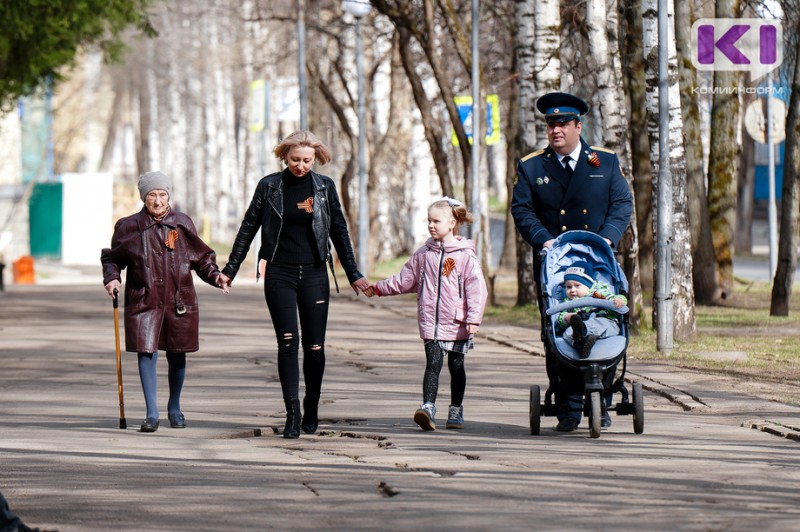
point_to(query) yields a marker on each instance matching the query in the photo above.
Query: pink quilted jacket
(450, 288)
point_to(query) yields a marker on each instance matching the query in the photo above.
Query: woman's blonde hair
(304, 139)
(460, 213)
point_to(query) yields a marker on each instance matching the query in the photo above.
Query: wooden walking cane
(122, 423)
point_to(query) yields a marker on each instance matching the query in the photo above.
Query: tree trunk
(540, 72)
(683, 319)
(743, 241)
(636, 89)
(507, 261)
(723, 162)
(704, 272)
(790, 191)
(526, 49)
(609, 97)
(384, 147)
(604, 48)
(432, 133)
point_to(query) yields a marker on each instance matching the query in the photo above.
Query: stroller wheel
(535, 410)
(638, 408)
(595, 417)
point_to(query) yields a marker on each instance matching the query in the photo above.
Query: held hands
(361, 284)
(224, 282)
(370, 291)
(111, 286)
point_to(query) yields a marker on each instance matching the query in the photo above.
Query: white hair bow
(450, 201)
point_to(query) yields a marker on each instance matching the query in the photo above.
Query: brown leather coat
(161, 310)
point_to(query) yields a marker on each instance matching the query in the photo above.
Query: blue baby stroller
(599, 368)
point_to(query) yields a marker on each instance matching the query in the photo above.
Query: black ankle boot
(292, 427)
(310, 414)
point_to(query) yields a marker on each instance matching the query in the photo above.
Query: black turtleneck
(296, 244)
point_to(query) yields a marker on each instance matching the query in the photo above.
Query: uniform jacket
(451, 291)
(266, 213)
(161, 310)
(547, 202)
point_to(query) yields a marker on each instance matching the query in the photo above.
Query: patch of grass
(496, 206)
(527, 315)
(382, 270)
(741, 324)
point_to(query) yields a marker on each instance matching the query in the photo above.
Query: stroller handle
(587, 302)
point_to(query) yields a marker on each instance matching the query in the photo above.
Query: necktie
(567, 166)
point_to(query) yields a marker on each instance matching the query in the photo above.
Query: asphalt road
(712, 457)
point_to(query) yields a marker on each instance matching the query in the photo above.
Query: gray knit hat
(154, 181)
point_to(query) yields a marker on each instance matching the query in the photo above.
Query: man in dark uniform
(568, 185)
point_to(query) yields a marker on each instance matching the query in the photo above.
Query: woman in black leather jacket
(298, 212)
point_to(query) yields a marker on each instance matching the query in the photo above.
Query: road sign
(755, 120)
(258, 105)
(464, 105)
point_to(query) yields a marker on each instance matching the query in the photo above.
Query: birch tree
(603, 43)
(703, 262)
(537, 50)
(723, 163)
(525, 50)
(681, 258)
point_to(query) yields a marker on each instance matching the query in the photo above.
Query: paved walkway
(65, 464)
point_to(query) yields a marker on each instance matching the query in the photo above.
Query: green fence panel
(45, 208)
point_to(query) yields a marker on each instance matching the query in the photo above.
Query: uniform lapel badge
(593, 160)
(539, 181)
(172, 237)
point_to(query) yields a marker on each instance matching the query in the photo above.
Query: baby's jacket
(600, 291)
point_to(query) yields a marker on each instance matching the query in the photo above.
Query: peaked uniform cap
(561, 107)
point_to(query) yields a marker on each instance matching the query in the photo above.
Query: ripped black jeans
(292, 289)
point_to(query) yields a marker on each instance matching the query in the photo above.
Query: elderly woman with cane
(298, 212)
(159, 247)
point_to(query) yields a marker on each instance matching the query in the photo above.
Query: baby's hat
(581, 272)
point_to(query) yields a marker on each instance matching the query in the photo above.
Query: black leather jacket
(266, 213)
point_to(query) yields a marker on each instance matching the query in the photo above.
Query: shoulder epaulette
(534, 154)
(600, 148)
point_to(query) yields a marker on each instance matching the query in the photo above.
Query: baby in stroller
(585, 325)
(585, 331)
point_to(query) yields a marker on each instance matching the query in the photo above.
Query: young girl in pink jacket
(446, 275)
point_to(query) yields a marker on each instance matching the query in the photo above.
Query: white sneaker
(424, 416)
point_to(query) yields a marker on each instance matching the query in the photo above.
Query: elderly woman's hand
(224, 282)
(111, 286)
